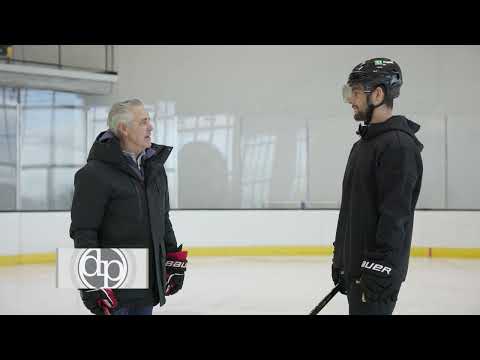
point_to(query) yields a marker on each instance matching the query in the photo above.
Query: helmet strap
(371, 108)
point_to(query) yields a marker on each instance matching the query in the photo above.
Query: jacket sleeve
(340, 233)
(170, 239)
(396, 175)
(338, 243)
(90, 198)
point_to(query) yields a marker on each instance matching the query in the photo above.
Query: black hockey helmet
(375, 72)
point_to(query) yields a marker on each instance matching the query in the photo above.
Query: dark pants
(357, 307)
(133, 310)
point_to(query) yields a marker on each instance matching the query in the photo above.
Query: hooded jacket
(380, 189)
(116, 206)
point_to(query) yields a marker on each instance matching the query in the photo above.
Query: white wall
(25, 233)
(277, 89)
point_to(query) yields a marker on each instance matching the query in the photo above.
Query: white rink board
(38, 232)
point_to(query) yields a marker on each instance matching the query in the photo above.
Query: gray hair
(121, 113)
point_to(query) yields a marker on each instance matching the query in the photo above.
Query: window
(53, 148)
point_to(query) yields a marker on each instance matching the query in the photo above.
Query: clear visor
(349, 93)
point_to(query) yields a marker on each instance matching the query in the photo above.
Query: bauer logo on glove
(176, 264)
(376, 267)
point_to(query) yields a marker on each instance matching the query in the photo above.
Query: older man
(121, 201)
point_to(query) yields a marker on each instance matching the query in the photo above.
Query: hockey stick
(325, 300)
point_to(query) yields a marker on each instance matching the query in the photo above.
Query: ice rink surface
(258, 286)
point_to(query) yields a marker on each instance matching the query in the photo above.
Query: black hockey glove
(99, 302)
(339, 278)
(379, 280)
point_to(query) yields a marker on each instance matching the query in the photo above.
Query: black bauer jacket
(381, 186)
(113, 207)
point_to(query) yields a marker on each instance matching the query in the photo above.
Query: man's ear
(378, 95)
(122, 129)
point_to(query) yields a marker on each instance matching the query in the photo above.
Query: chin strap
(362, 129)
(370, 109)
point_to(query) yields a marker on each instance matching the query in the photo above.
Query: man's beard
(360, 116)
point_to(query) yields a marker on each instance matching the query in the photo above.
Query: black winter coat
(381, 186)
(114, 207)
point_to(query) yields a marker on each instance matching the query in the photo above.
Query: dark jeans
(134, 310)
(357, 307)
